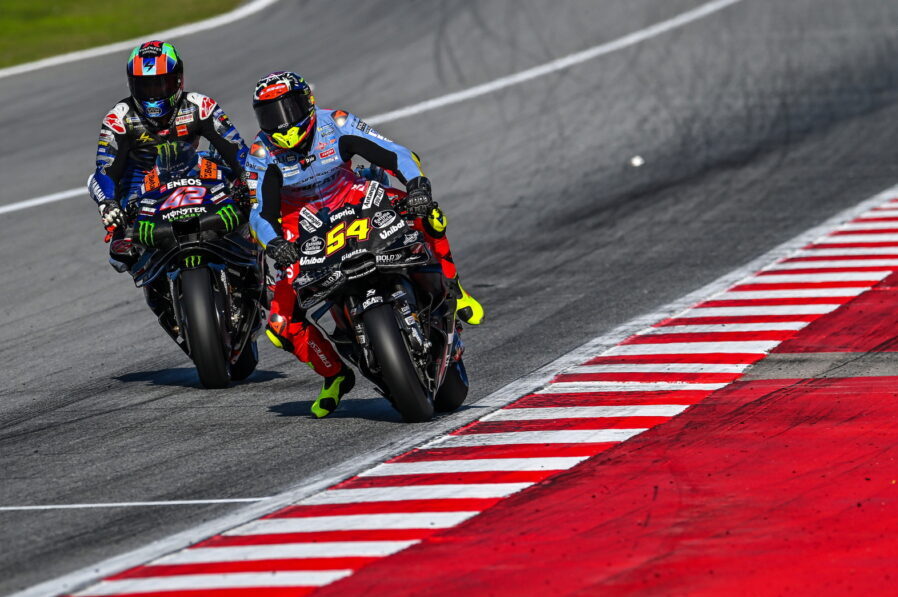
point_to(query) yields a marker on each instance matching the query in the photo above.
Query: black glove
(419, 202)
(283, 252)
(240, 192)
(110, 213)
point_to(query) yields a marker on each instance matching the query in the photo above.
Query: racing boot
(466, 306)
(335, 387)
(122, 254)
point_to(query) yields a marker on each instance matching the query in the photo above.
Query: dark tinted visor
(155, 88)
(282, 113)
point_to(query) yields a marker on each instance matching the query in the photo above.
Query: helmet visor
(155, 88)
(285, 112)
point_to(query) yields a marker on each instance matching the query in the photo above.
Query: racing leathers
(288, 187)
(126, 150)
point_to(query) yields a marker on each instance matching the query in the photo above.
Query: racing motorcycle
(390, 310)
(201, 271)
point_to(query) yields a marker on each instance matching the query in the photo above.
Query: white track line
(742, 295)
(661, 367)
(474, 465)
(775, 277)
(120, 46)
(565, 387)
(131, 504)
(186, 582)
(713, 328)
(286, 551)
(415, 492)
(584, 412)
(748, 347)
(840, 263)
(354, 522)
(764, 310)
(567, 436)
(529, 74)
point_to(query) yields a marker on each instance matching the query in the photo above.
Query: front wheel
(246, 363)
(396, 367)
(202, 329)
(454, 389)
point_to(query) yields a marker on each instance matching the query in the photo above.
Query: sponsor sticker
(392, 230)
(383, 219)
(184, 118)
(313, 246)
(308, 216)
(182, 130)
(328, 153)
(311, 261)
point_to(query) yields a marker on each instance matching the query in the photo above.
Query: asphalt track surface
(755, 124)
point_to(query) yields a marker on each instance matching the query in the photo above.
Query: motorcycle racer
(156, 112)
(301, 160)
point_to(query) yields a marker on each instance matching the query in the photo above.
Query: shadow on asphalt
(186, 377)
(373, 409)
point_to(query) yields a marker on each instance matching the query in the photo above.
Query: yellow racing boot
(466, 306)
(335, 387)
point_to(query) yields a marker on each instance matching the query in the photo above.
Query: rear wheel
(396, 367)
(247, 362)
(202, 328)
(454, 390)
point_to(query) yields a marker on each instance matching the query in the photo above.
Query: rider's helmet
(285, 109)
(175, 159)
(156, 78)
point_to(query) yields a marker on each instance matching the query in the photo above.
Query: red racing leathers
(287, 188)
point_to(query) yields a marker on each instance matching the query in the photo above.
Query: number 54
(336, 236)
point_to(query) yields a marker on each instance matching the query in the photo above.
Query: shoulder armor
(258, 149)
(340, 117)
(205, 104)
(115, 119)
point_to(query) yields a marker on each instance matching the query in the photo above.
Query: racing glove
(283, 252)
(110, 213)
(240, 192)
(419, 202)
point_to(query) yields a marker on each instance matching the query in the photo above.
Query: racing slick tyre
(454, 389)
(396, 367)
(202, 328)
(247, 362)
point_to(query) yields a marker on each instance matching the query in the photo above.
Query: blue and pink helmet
(156, 78)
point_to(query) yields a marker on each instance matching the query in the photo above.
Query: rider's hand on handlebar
(110, 213)
(419, 201)
(283, 252)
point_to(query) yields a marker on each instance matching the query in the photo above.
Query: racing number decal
(336, 236)
(184, 196)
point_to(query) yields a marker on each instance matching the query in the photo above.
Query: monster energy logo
(167, 151)
(192, 261)
(145, 232)
(229, 216)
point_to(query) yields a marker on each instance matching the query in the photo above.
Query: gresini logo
(145, 232)
(229, 216)
(192, 261)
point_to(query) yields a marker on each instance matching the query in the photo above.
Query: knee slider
(275, 332)
(437, 223)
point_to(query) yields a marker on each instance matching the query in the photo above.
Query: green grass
(33, 29)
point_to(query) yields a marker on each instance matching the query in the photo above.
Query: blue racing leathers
(126, 150)
(285, 180)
